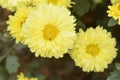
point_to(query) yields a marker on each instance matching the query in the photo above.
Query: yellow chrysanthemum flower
(115, 1)
(65, 3)
(49, 31)
(22, 77)
(12, 4)
(94, 49)
(15, 23)
(114, 11)
(33, 79)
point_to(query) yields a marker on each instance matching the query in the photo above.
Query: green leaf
(2, 77)
(19, 47)
(12, 64)
(41, 77)
(82, 6)
(117, 65)
(116, 74)
(112, 22)
(80, 24)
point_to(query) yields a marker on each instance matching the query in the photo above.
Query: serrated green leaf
(12, 64)
(82, 6)
(112, 22)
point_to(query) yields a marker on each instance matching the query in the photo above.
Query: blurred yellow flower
(22, 77)
(94, 49)
(114, 11)
(50, 31)
(115, 1)
(12, 4)
(15, 23)
(65, 3)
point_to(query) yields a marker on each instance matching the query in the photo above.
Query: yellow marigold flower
(22, 77)
(49, 31)
(94, 49)
(115, 1)
(114, 11)
(15, 23)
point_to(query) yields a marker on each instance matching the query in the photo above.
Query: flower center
(92, 49)
(52, 1)
(50, 32)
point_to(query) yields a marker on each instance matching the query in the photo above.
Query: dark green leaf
(112, 22)
(114, 76)
(82, 6)
(80, 24)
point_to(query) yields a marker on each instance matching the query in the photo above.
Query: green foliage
(112, 22)
(12, 64)
(19, 47)
(117, 65)
(41, 77)
(78, 6)
(80, 24)
(116, 74)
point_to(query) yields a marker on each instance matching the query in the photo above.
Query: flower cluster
(13, 5)
(114, 10)
(52, 33)
(22, 77)
(48, 29)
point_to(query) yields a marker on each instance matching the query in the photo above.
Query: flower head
(65, 3)
(12, 4)
(22, 77)
(114, 11)
(15, 23)
(115, 1)
(49, 31)
(94, 49)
